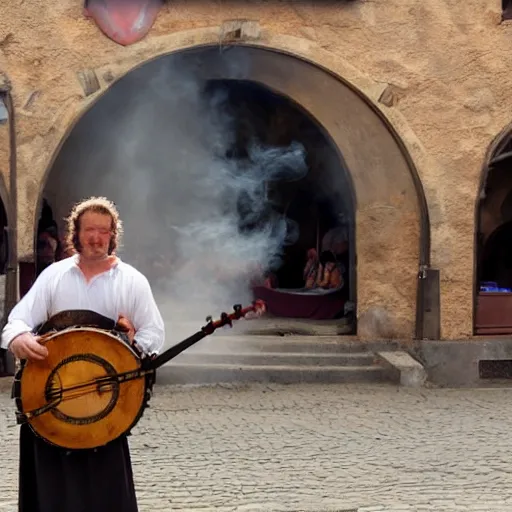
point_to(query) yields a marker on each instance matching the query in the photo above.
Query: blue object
(490, 286)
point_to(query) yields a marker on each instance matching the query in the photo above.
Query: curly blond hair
(97, 205)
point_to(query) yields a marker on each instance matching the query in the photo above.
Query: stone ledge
(411, 372)
(183, 373)
(455, 363)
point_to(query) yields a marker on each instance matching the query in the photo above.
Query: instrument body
(93, 386)
(85, 417)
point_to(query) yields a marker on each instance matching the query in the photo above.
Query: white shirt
(122, 290)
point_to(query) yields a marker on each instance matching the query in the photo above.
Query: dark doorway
(309, 195)
(48, 248)
(221, 184)
(493, 308)
(49, 244)
(506, 9)
(6, 365)
(496, 259)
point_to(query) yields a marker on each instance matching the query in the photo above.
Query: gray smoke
(198, 220)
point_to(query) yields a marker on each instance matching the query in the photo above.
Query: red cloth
(289, 304)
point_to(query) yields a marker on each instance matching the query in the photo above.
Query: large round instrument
(76, 398)
(93, 387)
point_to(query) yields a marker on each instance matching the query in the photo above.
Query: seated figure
(330, 272)
(311, 269)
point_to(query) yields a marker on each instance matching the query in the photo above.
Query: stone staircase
(290, 358)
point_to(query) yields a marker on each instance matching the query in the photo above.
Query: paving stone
(311, 448)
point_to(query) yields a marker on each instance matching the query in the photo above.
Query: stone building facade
(414, 95)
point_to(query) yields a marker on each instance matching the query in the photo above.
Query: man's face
(46, 248)
(94, 235)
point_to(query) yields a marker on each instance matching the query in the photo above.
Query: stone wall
(440, 70)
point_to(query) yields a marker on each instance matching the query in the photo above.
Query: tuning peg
(209, 319)
(237, 308)
(224, 317)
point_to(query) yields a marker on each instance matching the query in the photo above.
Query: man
(93, 278)
(47, 248)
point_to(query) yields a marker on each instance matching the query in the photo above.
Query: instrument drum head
(91, 407)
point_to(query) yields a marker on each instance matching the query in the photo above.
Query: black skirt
(52, 479)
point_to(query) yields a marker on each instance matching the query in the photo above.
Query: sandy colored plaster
(449, 62)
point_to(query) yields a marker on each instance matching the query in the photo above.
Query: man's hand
(27, 346)
(123, 324)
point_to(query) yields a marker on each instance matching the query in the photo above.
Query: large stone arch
(393, 238)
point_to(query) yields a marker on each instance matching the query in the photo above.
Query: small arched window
(506, 6)
(4, 116)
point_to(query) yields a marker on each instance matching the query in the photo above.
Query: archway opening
(4, 242)
(493, 308)
(161, 105)
(6, 363)
(301, 180)
(226, 188)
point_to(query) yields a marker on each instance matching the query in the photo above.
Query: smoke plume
(198, 220)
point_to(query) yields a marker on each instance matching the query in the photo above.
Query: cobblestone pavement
(313, 447)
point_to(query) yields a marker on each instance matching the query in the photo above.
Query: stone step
(268, 326)
(176, 373)
(279, 358)
(410, 371)
(286, 344)
(297, 327)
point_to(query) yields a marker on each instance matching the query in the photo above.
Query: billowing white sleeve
(29, 312)
(146, 318)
